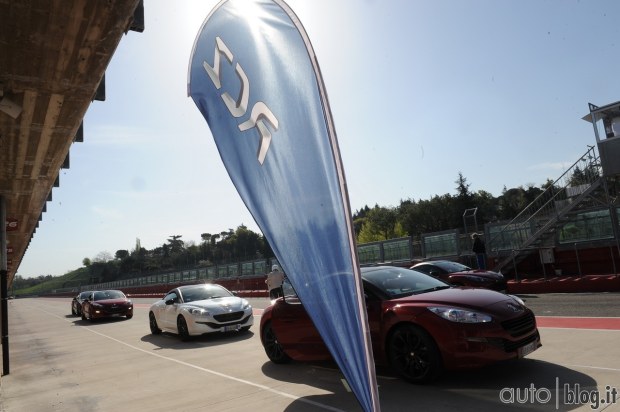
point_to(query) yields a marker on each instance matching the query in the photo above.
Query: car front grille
(115, 309)
(521, 325)
(228, 317)
(510, 345)
(219, 325)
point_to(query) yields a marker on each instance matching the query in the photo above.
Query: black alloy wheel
(153, 324)
(413, 354)
(273, 349)
(182, 328)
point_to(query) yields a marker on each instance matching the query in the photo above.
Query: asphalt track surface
(60, 363)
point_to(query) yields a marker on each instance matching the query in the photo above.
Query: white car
(193, 310)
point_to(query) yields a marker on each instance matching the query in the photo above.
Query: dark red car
(106, 304)
(76, 302)
(419, 325)
(457, 274)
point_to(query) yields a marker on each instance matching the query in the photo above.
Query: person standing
(480, 250)
(274, 281)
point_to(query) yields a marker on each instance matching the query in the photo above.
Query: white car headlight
(245, 304)
(198, 312)
(518, 299)
(460, 315)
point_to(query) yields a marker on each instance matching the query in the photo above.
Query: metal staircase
(538, 222)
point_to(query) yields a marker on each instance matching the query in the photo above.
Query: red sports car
(106, 304)
(457, 274)
(76, 302)
(419, 325)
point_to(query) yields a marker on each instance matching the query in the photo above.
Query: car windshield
(398, 282)
(452, 267)
(394, 282)
(202, 292)
(109, 294)
(83, 295)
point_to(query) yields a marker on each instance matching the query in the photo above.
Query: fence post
(613, 260)
(514, 264)
(578, 262)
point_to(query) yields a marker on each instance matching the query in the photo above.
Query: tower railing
(543, 213)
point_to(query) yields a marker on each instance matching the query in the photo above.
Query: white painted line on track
(222, 375)
(577, 317)
(593, 367)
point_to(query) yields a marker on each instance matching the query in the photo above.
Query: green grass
(67, 281)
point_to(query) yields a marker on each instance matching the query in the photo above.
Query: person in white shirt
(274, 281)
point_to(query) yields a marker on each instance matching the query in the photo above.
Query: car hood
(461, 296)
(120, 301)
(232, 303)
(483, 273)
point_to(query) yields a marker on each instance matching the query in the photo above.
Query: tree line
(410, 218)
(441, 212)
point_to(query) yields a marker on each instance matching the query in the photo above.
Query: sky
(420, 91)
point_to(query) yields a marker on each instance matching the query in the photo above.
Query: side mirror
(169, 301)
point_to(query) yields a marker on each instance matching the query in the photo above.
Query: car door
(374, 314)
(296, 331)
(86, 303)
(169, 310)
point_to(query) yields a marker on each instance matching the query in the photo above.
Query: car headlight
(245, 304)
(518, 299)
(460, 315)
(198, 312)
